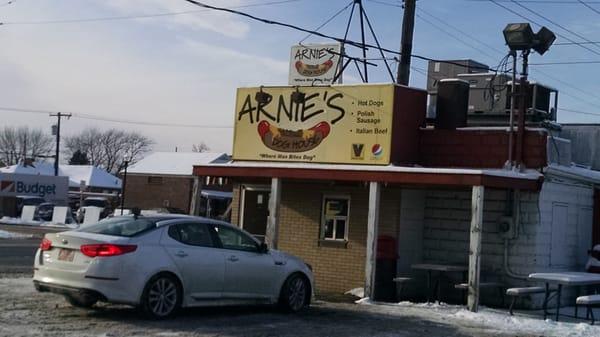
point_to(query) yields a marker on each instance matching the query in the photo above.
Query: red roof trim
(408, 178)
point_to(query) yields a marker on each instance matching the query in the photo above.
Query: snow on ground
(527, 322)
(358, 292)
(11, 235)
(18, 221)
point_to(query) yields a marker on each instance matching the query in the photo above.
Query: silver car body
(209, 276)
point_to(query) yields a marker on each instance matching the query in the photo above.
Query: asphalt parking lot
(25, 312)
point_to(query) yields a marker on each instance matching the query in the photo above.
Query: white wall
(554, 233)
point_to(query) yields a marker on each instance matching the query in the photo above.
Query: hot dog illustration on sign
(313, 70)
(283, 140)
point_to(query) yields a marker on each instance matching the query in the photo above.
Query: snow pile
(499, 319)
(11, 235)
(358, 292)
(18, 221)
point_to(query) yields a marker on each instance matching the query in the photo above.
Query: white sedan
(162, 263)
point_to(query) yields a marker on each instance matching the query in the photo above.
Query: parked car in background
(160, 263)
(26, 200)
(100, 202)
(45, 212)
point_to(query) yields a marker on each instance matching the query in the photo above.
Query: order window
(335, 218)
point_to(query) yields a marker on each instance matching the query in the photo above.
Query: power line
(140, 16)
(115, 120)
(496, 2)
(564, 63)
(580, 112)
(590, 7)
(555, 23)
(574, 43)
(328, 21)
(341, 40)
(558, 2)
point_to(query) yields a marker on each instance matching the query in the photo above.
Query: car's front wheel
(162, 296)
(295, 293)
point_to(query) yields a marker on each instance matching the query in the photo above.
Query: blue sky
(184, 69)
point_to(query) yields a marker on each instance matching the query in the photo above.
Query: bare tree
(202, 147)
(22, 143)
(109, 149)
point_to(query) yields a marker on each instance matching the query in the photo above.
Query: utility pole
(56, 157)
(408, 27)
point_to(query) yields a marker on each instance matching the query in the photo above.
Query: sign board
(346, 124)
(50, 188)
(314, 64)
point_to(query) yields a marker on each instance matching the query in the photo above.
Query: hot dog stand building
(350, 176)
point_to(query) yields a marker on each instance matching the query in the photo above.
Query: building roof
(92, 175)
(175, 163)
(496, 178)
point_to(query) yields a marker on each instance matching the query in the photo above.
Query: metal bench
(589, 301)
(465, 286)
(520, 292)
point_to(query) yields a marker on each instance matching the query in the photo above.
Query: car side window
(233, 239)
(193, 234)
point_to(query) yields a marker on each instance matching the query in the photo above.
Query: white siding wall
(555, 225)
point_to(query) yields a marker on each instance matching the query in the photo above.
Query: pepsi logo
(377, 150)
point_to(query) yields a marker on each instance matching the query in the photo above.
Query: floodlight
(518, 36)
(543, 40)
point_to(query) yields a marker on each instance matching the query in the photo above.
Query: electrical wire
(580, 112)
(563, 62)
(327, 21)
(590, 7)
(558, 2)
(551, 21)
(537, 23)
(115, 120)
(140, 16)
(341, 40)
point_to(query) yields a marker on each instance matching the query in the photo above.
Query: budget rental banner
(346, 124)
(50, 188)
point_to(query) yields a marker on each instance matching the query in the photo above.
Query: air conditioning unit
(437, 71)
(487, 94)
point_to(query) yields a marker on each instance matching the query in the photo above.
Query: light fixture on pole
(520, 37)
(126, 161)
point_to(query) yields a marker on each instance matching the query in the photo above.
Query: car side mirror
(263, 248)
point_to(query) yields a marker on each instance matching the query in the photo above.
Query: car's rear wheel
(294, 293)
(162, 296)
(81, 301)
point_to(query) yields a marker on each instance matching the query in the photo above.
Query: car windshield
(120, 226)
(94, 202)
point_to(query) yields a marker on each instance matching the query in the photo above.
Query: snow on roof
(92, 175)
(527, 174)
(175, 163)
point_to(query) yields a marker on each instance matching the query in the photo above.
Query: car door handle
(233, 258)
(181, 254)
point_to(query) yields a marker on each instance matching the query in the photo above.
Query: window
(155, 180)
(120, 226)
(193, 234)
(234, 239)
(334, 223)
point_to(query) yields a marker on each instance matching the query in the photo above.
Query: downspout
(514, 204)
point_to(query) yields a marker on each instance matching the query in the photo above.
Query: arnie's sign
(314, 64)
(337, 124)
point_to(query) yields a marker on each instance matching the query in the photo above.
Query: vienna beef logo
(294, 107)
(20, 187)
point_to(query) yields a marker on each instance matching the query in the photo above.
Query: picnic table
(560, 279)
(441, 269)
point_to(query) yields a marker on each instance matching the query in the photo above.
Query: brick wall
(177, 190)
(477, 148)
(336, 268)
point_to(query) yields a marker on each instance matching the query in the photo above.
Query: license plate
(66, 255)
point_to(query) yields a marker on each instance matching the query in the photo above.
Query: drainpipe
(515, 211)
